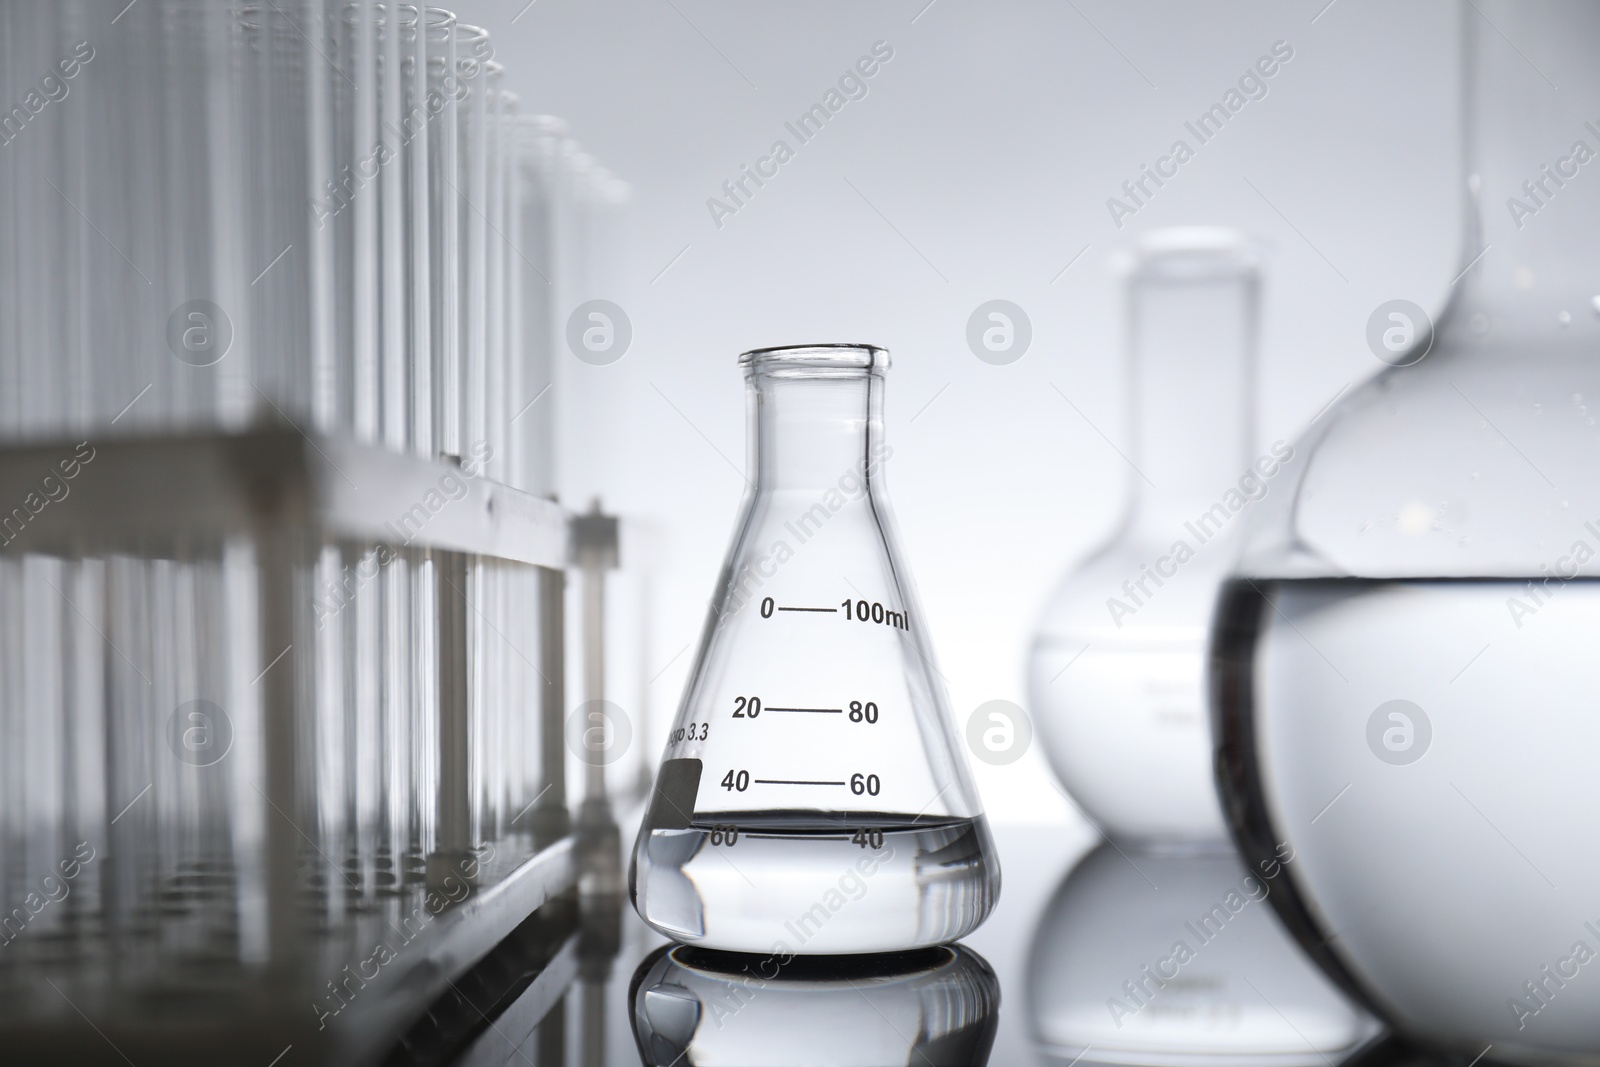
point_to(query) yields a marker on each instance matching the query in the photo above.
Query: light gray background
(984, 152)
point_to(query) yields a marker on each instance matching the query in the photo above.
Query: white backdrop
(976, 166)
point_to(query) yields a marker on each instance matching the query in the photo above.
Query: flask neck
(1531, 163)
(814, 433)
(1191, 345)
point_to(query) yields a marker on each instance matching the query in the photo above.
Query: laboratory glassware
(220, 222)
(1117, 672)
(937, 1006)
(813, 794)
(1171, 958)
(535, 222)
(1403, 671)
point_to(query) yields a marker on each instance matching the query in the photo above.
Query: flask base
(807, 883)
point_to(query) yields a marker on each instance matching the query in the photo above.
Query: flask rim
(823, 357)
(1185, 253)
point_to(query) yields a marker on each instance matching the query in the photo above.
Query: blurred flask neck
(1531, 154)
(1191, 354)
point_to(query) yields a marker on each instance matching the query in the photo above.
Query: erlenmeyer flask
(1404, 672)
(1117, 673)
(813, 798)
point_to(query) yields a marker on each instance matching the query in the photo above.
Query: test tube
(392, 188)
(424, 725)
(175, 245)
(444, 245)
(418, 132)
(395, 731)
(325, 731)
(44, 146)
(286, 165)
(468, 201)
(532, 292)
(13, 39)
(118, 101)
(502, 104)
(357, 194)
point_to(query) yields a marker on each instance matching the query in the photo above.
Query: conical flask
(813, 797)
(1117, 672)
(1404, 671)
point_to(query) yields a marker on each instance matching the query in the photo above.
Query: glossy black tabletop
(1079, 964)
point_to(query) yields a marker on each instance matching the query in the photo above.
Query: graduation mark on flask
(870, 611)
(752, 707)
(729, 835)
(859, 783)
(768, 606)
(868, 839)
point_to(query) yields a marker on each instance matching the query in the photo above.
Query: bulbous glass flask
(813, 798)
(1404, 672)
(1116, 677)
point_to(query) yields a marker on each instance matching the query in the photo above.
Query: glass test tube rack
(229, 819)
(281, 576)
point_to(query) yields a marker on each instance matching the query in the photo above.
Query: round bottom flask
(1116, 676)
(814, 798)
(1404, 671)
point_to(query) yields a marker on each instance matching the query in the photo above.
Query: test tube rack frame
(142, 496)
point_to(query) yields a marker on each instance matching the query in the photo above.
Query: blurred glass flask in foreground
(1405, 674)
(1116, 676)
(813, 798)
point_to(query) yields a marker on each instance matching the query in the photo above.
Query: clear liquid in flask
(1458, 774)
(863, 883)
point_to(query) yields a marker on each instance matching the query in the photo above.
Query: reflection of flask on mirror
(1194, 972)
(1404, 669)
(813, 792)
(1116, 674)
(935, 1007)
